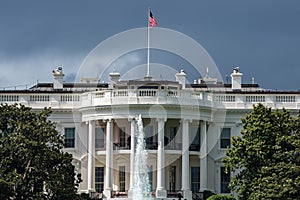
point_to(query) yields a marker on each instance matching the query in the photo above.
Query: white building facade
(187, 129)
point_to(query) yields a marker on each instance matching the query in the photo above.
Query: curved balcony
(145, 96)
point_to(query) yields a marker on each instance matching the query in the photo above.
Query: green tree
(265, 160)
(220, 197)
(32, 164)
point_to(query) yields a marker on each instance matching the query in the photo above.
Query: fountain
(141, 183)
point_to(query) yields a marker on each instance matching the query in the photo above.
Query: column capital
(161, 119)
(107, 119)
(186, 121)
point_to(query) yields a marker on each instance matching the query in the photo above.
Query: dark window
(150, 176)
(99, 139)
(149, 138)
(122, 178)
(69, 138)
(195, 139)
(122, 137)
(172, 177)
(225, 180)
(195, 179)
(172, 143)
(99, 179)
(225, 138)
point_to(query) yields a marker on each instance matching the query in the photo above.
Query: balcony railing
(153, 96)
(173, 146)
(120, 146)
(194, 147)
(152, 145)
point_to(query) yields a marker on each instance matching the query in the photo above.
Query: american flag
(152, 21)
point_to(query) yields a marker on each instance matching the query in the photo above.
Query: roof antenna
(227, 78)
(207, 73)
(253, 80)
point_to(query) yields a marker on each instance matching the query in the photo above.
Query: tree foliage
(33, 165)
(266, 159)
(221, 197)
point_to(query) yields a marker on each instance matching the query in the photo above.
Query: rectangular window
(99, 179)
(99, 139)
(225, 180)
(172, 177)
(148, 130)
(150, 176)
(171, 141)
(122, 138)
(69, 138)
(225, 138)
(173, 132)
(195, 139)
(195, 179)
(122, 178)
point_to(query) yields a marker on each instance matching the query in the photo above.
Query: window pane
(148, 130)
(150, 176)
(69, 141)
(195, 139)
(225, 180)
(195, 174)
(225, 133)
(122, 178)
(172, 133)
(225, 143)
(122, 137)
(172, 176)
(225, 138)
(99, 139)
(99, 179)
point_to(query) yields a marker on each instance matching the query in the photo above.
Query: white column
(91, 152)
(132, 155)
(203, 157)
(160, 190)
(108, 160)
(187, 194)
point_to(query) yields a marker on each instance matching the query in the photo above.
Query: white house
(187, 128)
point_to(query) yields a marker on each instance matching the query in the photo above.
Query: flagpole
(148, 49)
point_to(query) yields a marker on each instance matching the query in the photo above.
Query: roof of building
(204, 84)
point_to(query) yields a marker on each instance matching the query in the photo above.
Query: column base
(107, 193)
(202, 189)
(187, 194)
(130, 193)
(161, 193)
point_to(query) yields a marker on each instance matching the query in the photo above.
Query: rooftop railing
(153, 96)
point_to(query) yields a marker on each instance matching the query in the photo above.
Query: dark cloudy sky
(262, 37)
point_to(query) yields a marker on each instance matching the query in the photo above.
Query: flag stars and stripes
(152, 21)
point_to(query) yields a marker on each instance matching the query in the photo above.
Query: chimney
(236, 79)
(181, 78)
(58, 78)
(114, 77)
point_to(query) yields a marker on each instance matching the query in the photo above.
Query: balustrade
(154, 96)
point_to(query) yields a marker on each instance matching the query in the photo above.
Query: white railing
(153, 96)
(9, 97)
(70, 97)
